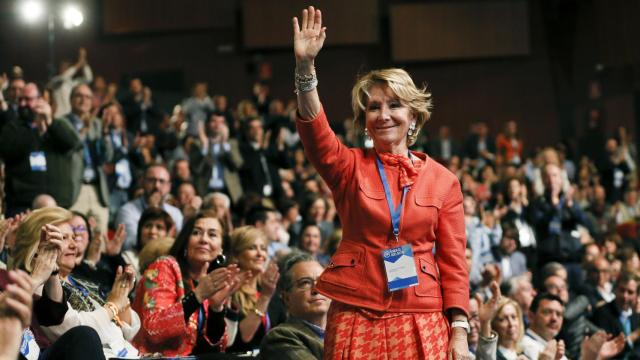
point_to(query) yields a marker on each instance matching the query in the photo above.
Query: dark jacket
(17, 142)
(576, 325)
(556, 230)
(292, 340)
(607, 318)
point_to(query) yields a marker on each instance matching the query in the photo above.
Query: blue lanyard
(395, 214)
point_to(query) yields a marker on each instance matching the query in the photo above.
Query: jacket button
(331, 264)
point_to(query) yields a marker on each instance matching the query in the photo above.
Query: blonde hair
(504, 301)
(242, 239)
(401, 84)
(28, 235)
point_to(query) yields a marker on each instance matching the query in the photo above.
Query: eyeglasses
(152, 180)
(79, 229)
(305, 283)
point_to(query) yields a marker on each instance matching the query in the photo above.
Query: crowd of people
(133, 232)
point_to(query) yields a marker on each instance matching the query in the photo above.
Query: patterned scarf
(409, 168)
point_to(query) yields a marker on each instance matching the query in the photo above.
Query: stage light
(71, 16)
(31, 10)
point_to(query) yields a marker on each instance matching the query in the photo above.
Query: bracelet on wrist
(305, 82)
(112, 307)
(258, 312)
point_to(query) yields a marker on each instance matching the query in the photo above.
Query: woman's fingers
(21, 279)
(296, 26)
(317, 24)
(22, 311)
(305, 19)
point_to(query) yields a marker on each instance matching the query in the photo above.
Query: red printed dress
(159, 302)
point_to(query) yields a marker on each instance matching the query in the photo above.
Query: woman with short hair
(396, 206)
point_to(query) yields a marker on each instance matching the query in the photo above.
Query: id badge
(38, 161)
(400, 267)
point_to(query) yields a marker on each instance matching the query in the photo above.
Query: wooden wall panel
(266, 24)
(144, 16)
(459, 30)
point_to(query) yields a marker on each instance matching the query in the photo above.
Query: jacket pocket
(345, 270)
(428, 279)
(429, 201)
(372, 194)
(429, 213)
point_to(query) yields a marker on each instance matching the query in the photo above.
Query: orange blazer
(432, 217)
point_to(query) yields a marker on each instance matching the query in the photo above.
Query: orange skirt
(354, 333)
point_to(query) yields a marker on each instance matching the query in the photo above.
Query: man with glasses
(36, 150)
(156, 185)
(88, 181)
(597, 287)
(302, 336)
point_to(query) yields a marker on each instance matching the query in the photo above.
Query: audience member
(69, 76)
(182, 302)
(216, 160)
(620, 315)
(36, 149)
(302, 335)
(249, 252)
(545, 322)
(156, 185)
(197, 109)
(88, 181)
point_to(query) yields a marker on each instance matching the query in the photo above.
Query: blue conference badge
(400, 267)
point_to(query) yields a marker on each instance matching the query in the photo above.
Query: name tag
(38, 161)
(400, 267)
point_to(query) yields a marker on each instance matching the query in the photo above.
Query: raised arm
(308, 39)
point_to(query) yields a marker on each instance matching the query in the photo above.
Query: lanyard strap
(395, 213)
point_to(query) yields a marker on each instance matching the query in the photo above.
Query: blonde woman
(110, 316)
(249, 251)
(394, 204)
(504, 317)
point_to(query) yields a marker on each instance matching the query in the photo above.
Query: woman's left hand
(269, 280)
(458, 347)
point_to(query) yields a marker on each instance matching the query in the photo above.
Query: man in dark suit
(302, 336)
(143, 117)
(443, 147)
(479, 146)
(620, 316)
(262, 159)
(216, 160)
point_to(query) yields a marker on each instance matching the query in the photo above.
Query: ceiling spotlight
(71, 17)
(31, 10)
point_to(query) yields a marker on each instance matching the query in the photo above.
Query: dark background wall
(542, 85)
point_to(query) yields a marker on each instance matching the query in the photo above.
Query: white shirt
(533, 344)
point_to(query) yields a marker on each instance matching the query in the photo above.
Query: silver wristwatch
(461, 324)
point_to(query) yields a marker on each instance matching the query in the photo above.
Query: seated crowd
(131, 232)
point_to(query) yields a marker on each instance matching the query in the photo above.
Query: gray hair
(287, 263)
(208, 200)
(512, 284)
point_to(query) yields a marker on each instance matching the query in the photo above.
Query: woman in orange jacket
(393, 296)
